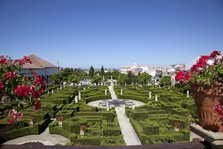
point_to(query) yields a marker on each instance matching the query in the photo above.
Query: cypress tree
(102, 73)
(91, 71)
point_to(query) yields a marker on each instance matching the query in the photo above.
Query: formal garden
(166, 116)
(63, 107)
(100, 127)
(163, 121)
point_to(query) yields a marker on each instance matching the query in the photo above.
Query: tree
(65, 73)
(115, 74)
(73, 78)
(96, 79)
(165, 81)
(131, 78)
(91, 71)
(108, 75)
(122, 79)
(56, 78)
(143, 78)
(102, 73)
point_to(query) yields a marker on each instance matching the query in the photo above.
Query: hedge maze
(100, 127)
(163, 121)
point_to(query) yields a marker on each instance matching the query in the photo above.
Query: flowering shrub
(14, 115)
(17, 87)
(208, 70)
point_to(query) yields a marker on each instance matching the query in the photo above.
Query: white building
(135, 68)
(43, 68)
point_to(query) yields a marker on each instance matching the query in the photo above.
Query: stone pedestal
(176, 129)
(31, 122)
(215, 139)
(82, 132)
(60, 123)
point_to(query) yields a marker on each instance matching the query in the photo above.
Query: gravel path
(45, 138)
(128, 132)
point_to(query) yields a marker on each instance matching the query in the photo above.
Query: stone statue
(188, 93)
(79, 95)
(150, 93)
(76, 99)
(156, 99)
(106, 92)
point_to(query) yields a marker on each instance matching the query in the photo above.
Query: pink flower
(1, 85)
(182, 76)
(23, 61)
(40, 83)
(206, 71)
(38, 105)
(179, 76)
(214, 53)
(14, 116)
(10, 121)
(23, 91)
(202, 61)
(19, 116)
(34, 73)
(10, 75)
(26, 59)
(15, 84)
(187, 76)
(218, 108)
(3, 60)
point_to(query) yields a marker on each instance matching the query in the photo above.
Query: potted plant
(31, 122)
(177, 126)
(82, 129)
(60, 120)
(206, 82)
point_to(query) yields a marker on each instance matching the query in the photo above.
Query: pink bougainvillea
(17, 86)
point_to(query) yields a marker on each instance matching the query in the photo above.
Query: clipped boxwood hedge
(139, 131)
(139, 98)
(65, 113)
(113, 141)
(151, 128)
(114, 131)
(54, 129)
(95, 141)
(37, 128)
(139, 114)
(96, 97)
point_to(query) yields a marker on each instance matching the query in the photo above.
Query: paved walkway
(45, 138)
(112, 92)
(128, 132)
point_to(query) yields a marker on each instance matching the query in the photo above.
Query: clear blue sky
(81, 33)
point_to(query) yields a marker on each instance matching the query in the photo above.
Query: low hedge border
(53, 129)
(114, 131)
(94, 141)
(97, 97)
(139, 98)
(37, 128)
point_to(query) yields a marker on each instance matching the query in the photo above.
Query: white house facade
(43, 68)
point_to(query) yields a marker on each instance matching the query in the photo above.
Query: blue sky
(81, 33)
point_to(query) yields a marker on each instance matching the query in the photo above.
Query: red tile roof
(38, 63)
